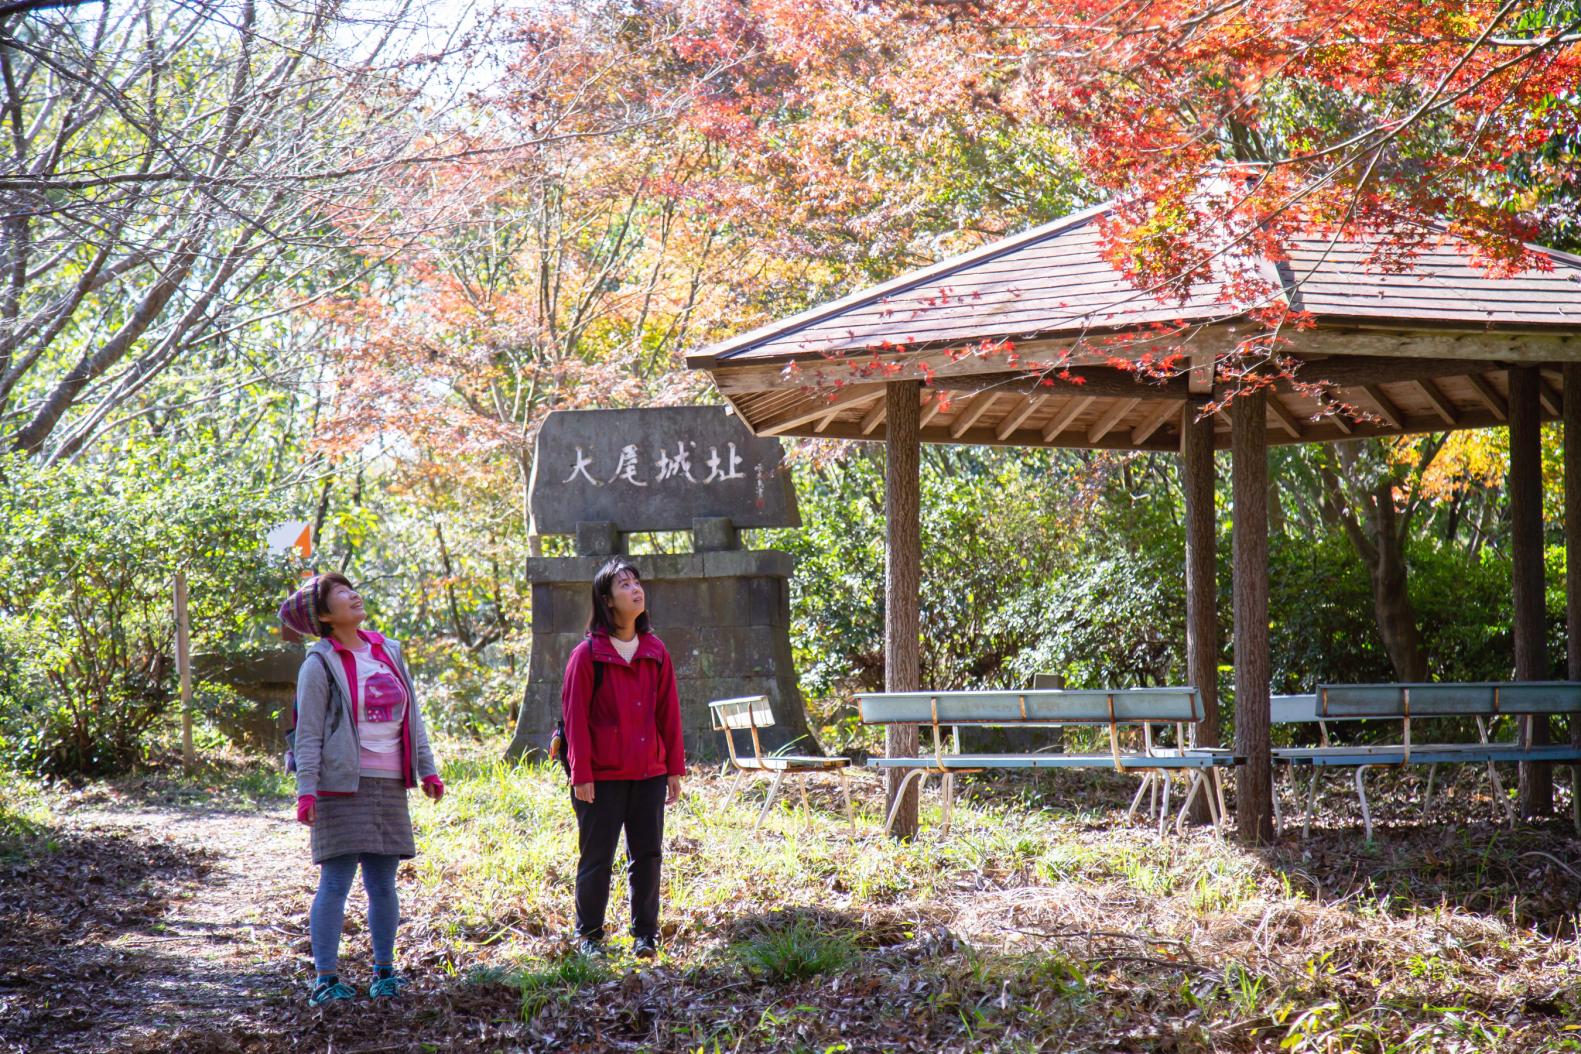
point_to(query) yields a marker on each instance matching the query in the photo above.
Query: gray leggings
(329, 907)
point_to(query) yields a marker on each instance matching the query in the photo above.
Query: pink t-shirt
(381, 702)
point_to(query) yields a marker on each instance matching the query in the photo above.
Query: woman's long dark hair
(602, 620)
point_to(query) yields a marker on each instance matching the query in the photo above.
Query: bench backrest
(1125, 706)
(1293, 709)
(750, 712)
(1463, 699)
(747, 711)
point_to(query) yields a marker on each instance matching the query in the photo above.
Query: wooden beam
(820, 405)
(1327, 354)
(1441, 404)
(1202, 599)
(1572, 528)
(1249, 490)
(1105, 424)
(1089, 380)
(1063, 418)
(1552, 404)
(973, 413)
(902, 583)
(1282, 415)
(1017, 417)
(932, 406)
(1524, 490)
(1144, 431)
(875, 417)
(1199, 380)
(1383, 406)
(1525, 496)
(1489, 396)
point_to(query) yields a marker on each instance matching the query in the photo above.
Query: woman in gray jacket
(360, 745)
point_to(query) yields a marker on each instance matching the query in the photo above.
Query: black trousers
(638, 807)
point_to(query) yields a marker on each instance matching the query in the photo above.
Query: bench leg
(1493, 776)
(845, 791)
(735, 787)
(1279, 816)
(1361, 794)
(1499, 795)
(900, 794)
(1427, 795)
(1147, 781)
(1192, 787)
(1213, 787)
(949, 801)
(1163, 811)
(774, 790)
(1575, 798)
(1224, 810)
(1306, 827)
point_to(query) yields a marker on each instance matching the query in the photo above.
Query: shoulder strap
(333, 687)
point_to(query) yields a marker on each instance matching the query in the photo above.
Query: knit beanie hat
(299, 613)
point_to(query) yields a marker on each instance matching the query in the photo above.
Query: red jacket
(631, 729)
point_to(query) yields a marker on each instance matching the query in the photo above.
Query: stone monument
(723, 611)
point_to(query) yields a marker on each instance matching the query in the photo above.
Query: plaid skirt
(373, 820)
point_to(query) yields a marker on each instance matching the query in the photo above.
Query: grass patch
(26, 821)
(558, 981)
(796, 952)
(1043, 921)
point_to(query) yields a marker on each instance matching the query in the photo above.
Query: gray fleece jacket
(328, 753)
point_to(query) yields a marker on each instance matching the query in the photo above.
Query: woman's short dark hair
(326, 585)
(602, 620)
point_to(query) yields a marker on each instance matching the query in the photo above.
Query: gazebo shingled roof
(1419, 350)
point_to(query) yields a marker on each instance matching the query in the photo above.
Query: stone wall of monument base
(725, 618)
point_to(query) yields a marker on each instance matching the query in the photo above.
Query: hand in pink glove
(307, 809)
(434, 787)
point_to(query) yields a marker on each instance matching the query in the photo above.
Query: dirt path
(153, 928)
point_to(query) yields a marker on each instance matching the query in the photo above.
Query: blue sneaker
(387, 987)
(330, 991)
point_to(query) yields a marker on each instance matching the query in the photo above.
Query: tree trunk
(1249, 472)
(1391, 600)
(1378, 533)
(902, 581)
(1526, 557)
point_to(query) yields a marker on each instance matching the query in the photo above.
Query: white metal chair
(751, 713)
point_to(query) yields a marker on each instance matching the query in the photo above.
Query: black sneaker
(591, 948)
(645, 947)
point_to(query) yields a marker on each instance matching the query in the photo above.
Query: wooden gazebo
(921, 359)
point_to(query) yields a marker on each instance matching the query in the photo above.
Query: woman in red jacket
(623, 741)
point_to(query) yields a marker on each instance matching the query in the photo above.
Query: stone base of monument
(723, 615)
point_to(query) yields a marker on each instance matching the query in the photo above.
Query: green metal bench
(1484, 701)
(750, 713)
(1048, 708)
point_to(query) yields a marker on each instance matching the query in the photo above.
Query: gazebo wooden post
(1202, 608)
(902, 581)
(1249, 488)
(1526, 558)
(1572, 419)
